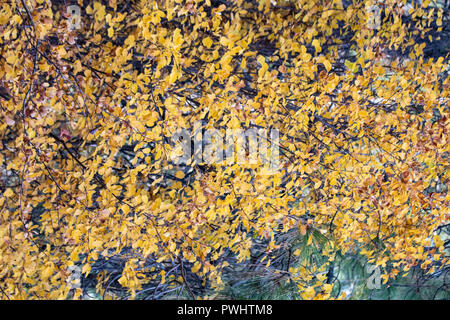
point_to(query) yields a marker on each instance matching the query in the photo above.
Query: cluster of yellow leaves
(84, 163)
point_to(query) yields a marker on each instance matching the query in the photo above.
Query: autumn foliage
(87, 115)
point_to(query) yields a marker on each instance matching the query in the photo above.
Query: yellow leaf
(310, 239)
(327, 65)
(8, 193)
(110, 32)
(316, 45)
(173, 75)
(302, 229)
(86, 269)
(317, 184)
(207, 42)
(179, 175)
(47, 272)
(11, 59)
(177, 38)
